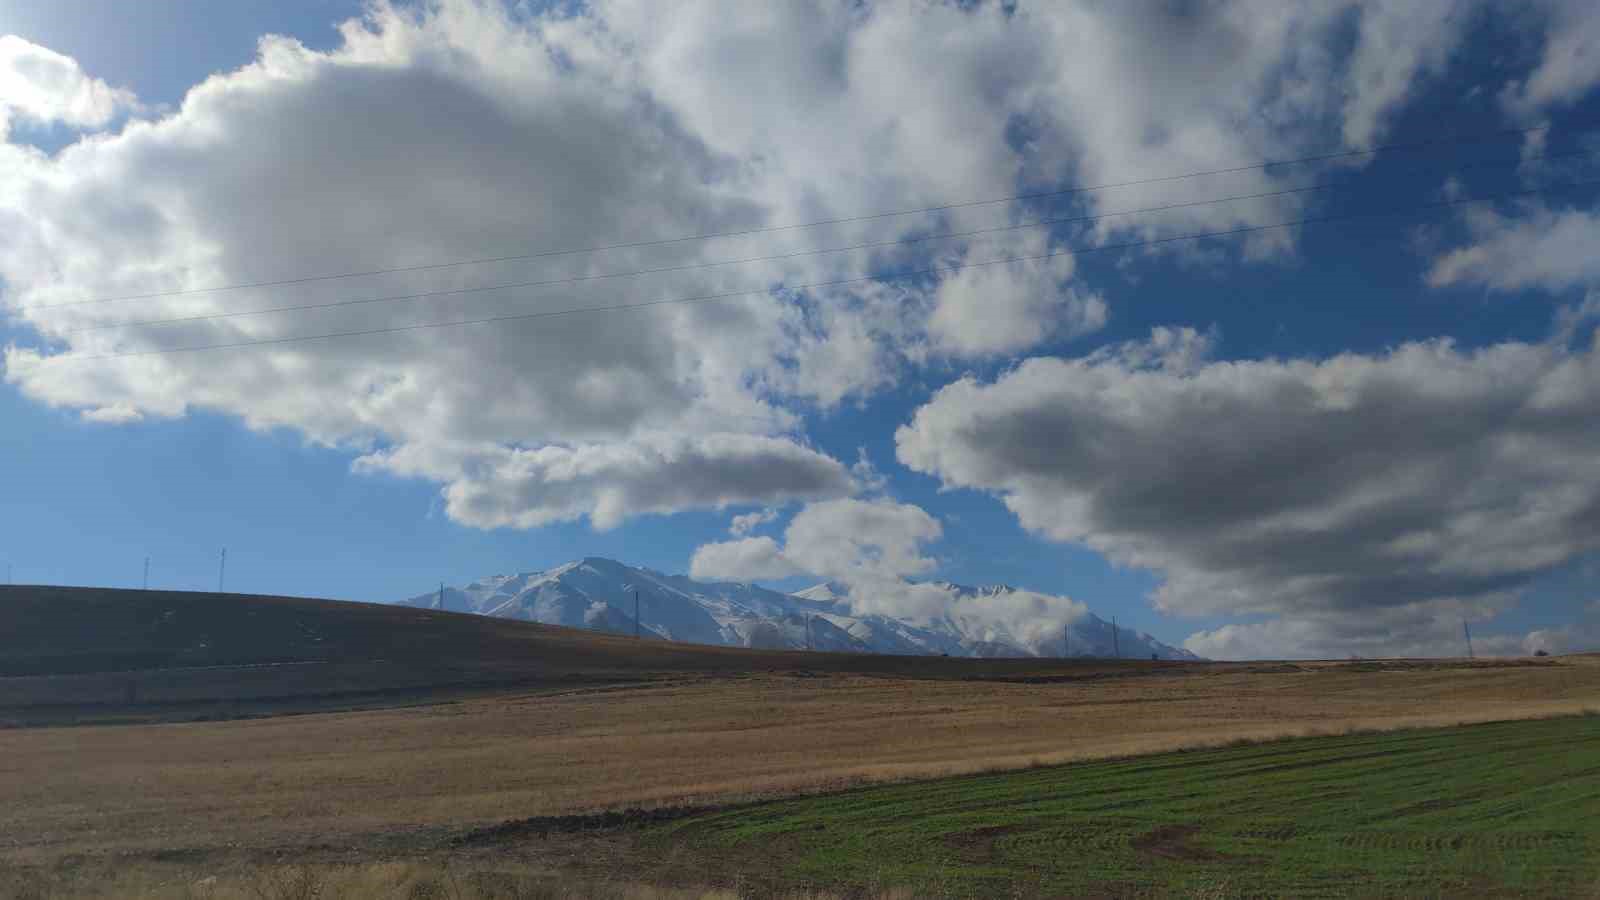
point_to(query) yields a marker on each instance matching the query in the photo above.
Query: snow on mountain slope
(599, 594)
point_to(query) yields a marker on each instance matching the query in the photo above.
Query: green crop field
(1499, 809)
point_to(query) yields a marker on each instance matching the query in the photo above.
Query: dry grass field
(407, 777)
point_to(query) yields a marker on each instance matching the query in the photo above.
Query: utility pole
(1066, 640)
(441, 596)
(636, 614)
(1467, 630)
(1116, 645)
(146, 585)
(222, 569)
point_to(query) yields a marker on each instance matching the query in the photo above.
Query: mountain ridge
(598, 593)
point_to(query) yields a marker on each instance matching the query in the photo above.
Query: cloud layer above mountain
(877, 552)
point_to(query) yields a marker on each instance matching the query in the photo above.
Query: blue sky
(446, 133)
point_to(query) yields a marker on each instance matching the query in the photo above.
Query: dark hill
(94, 654)
(68, 630)
(57, 630)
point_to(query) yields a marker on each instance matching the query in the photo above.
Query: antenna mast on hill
(1467, 630)
(222, 569)
(1116, 645)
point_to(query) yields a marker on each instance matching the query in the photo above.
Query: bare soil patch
(1173, 842)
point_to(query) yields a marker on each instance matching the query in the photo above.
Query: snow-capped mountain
(599, 594)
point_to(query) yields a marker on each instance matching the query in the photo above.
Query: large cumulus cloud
(443, 134)
(1367, 492)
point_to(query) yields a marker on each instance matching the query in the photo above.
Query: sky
(1001, 293)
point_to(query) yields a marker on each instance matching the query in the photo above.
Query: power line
(770, 229)
(894, 276)
(421, 295)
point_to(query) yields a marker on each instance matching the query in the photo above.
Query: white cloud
(1544, 248)
(1152, 92)
(114, 415)
(744, 524)
(1400, 43)
(985, 310)
(1535, 245)
(1569, 64)
(1583, 637)
(1174, 350)
(841, 539)
(494, 486)
(747, 559)
(1571, 319)
(1025, 618)
(868, 478)
(1422, 483)
(873, 549)
(41, 85)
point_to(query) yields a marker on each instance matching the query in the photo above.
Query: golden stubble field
(376, 777)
